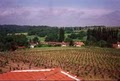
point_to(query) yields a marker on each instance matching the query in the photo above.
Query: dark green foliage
(51, 33)
(73, 36)
(102, 43)
(68, 30)
(36, 40)
(119, 37)
(92, 41)
(51, 38)
(11, 42)
(1, 46)
(61, 35)
(42, 31)
(96, 35)
(21, 40)
(71, 43)
(68, 39)
(81, 34)
(103, 36)
(5, 29)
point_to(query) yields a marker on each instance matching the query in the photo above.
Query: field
(87, 63)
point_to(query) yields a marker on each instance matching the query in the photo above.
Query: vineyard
(88, 63)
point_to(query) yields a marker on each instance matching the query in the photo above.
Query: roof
(21, 47)
(79, 43)
(39, 75)
(117, 45)
(53, 43)
(65, 43)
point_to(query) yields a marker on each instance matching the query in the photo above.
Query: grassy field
(87, 63)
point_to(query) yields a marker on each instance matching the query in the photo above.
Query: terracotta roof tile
(52, 74)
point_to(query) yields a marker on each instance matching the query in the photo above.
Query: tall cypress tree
(61, 34)
(88, 34)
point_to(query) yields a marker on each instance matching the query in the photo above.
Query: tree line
(96, 36)
(102, 36)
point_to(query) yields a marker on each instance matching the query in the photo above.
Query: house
(64, 44)
(117, 45)
(54, 74)
(78, 44)
(32, 44)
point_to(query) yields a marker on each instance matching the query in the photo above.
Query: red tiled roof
(21, 47)
(79, 43)
(39, 75)
(65, 43)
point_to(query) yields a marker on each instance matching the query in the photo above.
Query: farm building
(55, 74)
(64, 44)
(117, 45)
(78, 44)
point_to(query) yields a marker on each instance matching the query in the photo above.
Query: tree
(1, 46)
(92, 41)
(51, 38)
(21, 40)
(119, 37)
(8, 43)
(36, 40)
(68, 39)
(105, 34)
(61, 35)
(42, 31)
(68, 30)
(73, 36)
(88, 34)
(81, 34)
(109, 41)
(71, 43)
(102, 43)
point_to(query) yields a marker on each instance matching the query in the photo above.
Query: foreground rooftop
(55, 74)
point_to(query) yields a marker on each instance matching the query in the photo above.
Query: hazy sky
(60, 12)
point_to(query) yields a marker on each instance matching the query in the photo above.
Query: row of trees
(102, 36)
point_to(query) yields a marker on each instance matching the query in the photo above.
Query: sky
(60, 12)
